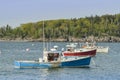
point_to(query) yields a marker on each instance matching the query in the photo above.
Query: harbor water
(104, 66)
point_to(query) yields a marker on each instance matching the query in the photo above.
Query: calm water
(103, 66)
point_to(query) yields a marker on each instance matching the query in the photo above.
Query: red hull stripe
(86, 53)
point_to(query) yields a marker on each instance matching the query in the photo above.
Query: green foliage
(64, 28)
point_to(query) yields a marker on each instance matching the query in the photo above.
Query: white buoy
(0, 53)
(33, 44)
(27, 49)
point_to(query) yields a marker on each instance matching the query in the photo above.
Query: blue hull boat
(63, 62)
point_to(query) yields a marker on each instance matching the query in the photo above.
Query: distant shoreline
(102, 39)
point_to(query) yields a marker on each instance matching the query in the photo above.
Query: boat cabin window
(53, 56)
(70, 49)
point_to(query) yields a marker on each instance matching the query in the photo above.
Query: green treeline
(98, 26)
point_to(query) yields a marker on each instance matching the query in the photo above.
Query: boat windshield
(53, 56)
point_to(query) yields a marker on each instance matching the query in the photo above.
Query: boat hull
(85, 62)
(34, 64)
(102, 49)
(80, 53)
(80, 62)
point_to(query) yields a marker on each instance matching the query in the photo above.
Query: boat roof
(53, 51)
(73, 45)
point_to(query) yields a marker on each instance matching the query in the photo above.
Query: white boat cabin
(52, 55)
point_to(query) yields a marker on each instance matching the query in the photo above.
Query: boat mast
(43, 37)
(44, 49)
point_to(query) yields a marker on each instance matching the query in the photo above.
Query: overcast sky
(16, 12)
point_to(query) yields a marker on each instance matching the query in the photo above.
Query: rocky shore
(90, 38)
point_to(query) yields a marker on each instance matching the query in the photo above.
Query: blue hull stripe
(76, 63)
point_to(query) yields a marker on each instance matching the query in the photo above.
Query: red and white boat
(73, 51)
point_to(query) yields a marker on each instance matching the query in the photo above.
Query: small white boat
(102, 49)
